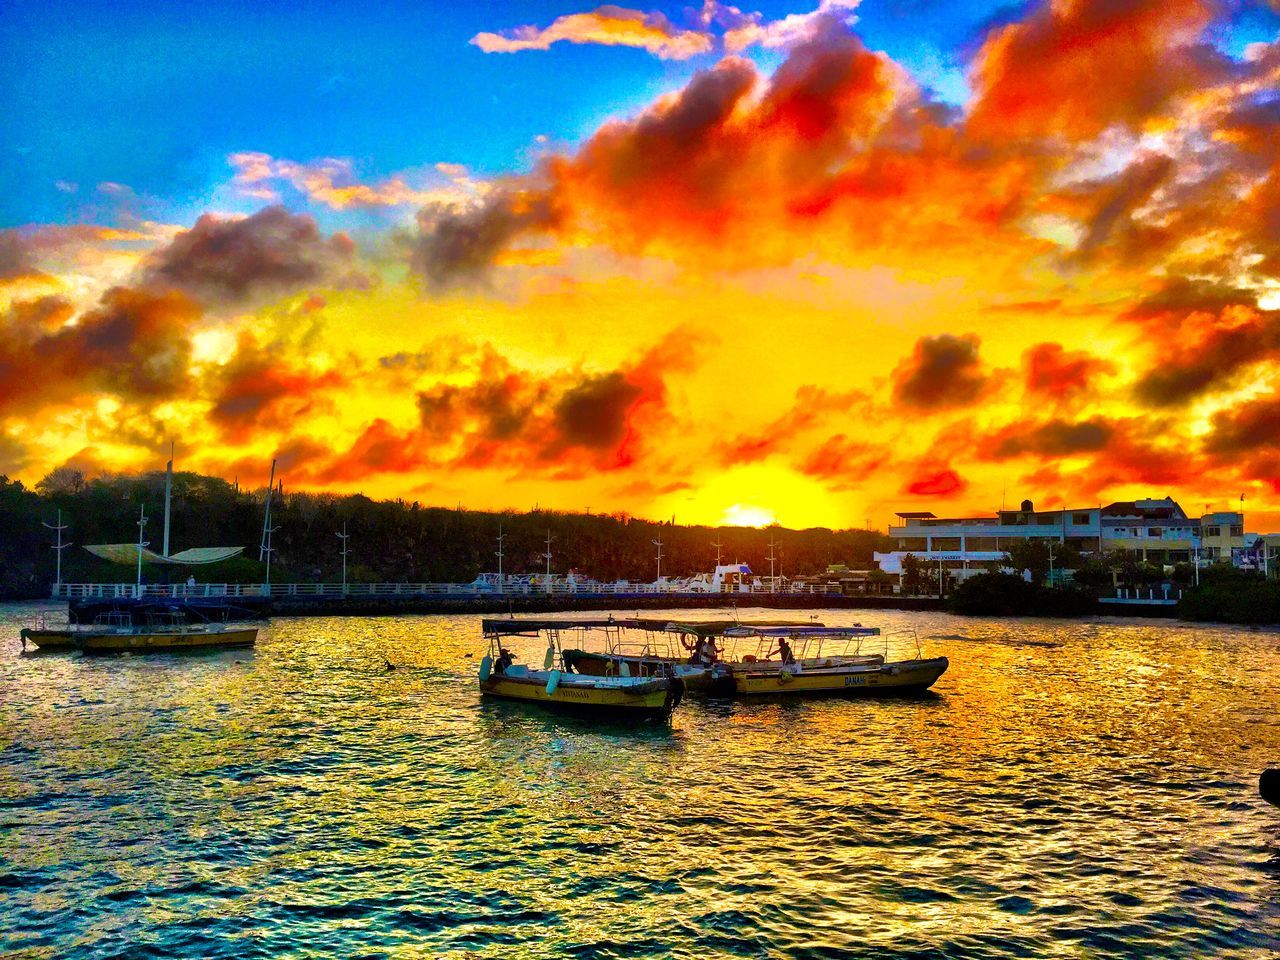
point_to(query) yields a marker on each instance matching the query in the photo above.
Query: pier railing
(200, 591)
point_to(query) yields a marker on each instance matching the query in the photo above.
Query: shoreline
(524, 603)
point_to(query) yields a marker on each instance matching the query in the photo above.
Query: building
(1151, 531)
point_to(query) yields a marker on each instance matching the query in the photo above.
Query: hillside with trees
(390, 541)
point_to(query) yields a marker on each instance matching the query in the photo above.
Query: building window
(1213, 531)
(1155, 532)
(1080, 519)
(1237, 530)
(946, 543)
(1047, 518)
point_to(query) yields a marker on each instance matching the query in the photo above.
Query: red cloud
(936, 483)
(1057, 373)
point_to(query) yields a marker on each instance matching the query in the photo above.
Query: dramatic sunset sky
(726, 264)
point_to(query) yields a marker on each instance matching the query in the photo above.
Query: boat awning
(128, 553)
(808, 630)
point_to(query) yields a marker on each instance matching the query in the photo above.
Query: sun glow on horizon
(747, 515)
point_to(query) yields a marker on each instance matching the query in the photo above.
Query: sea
(1075, 789)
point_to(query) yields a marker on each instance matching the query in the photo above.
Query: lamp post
(344, 536)
(58, 548)
(142, 523)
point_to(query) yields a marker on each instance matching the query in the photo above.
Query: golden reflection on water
(1068, 789)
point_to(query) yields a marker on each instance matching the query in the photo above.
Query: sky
(702, 262)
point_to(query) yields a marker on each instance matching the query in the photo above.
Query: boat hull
(150, 642)
(49, 639)
(912, 676)
(652, 701)
(694, 676)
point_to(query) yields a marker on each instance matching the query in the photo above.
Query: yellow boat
(115, 632)
(557, 686)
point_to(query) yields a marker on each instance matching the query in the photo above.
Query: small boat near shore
(162, 632)
(557, 686)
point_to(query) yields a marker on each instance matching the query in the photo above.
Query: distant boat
(164, 632)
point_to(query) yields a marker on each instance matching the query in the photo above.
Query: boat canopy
(805, 630)
(128, 553)
(704, 628)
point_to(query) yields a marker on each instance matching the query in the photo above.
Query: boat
(558, 686)
(813, 664)
(649, 647)
(161, 632)
(813, 668)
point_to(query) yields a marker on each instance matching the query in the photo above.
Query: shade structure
(128, 553)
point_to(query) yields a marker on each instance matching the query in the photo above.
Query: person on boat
(706, 652)
(505, 659)
(784, 651)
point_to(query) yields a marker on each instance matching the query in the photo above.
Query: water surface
(1072, 789)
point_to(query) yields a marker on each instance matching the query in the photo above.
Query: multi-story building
(1154, 531)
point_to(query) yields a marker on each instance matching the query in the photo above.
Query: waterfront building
(1152, 530)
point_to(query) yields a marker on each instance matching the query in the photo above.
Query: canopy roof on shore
(128, 553)
(709, 628)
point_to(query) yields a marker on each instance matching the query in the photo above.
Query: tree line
(390, 540)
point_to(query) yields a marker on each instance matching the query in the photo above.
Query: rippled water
(1070, 790)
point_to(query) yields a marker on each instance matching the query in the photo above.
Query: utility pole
(501, 537)
(658, 543)
(59, 526)
(344, 537)
(142, 522)
(548, 556)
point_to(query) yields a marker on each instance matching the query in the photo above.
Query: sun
(747, 515)
(756, 495)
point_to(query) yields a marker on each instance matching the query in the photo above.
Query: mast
(168, 494)
(266, 516)
(772, 557)
(717, 544)
(265, 550)
(59, 526)
(658, 543)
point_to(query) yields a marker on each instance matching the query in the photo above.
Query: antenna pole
(344, 536)
(59, 526)
(658, 543)
(717, 544)
(771, 558)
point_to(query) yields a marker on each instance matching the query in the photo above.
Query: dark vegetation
(391, 541)
(1227, 595)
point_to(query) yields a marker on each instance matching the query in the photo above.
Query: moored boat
(557, 685)
(116, 632)
(806, 663)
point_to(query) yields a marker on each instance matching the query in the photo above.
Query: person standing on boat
(505, 659)
(705, 653)
(784, 651)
